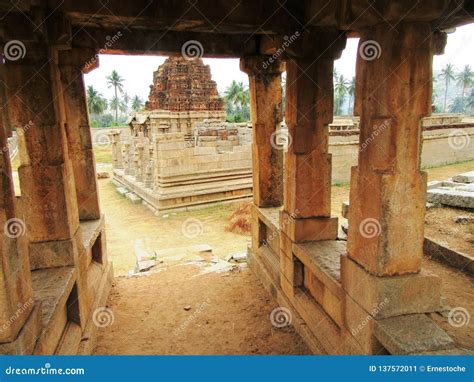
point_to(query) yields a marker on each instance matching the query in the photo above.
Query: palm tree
(96, 103)
(237, 98)
(126, 101)
(340, 91)
(447, 74)
(115, 81)
(116, 104)
(465, 79)
(137, 103)
(351, 92)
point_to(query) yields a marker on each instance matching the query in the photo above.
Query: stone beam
(163, 42)
(266, 115)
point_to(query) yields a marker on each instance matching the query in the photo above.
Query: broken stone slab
(467, 177)
(413, 333)
(103, 174)
(453, 198)
(441, 183)
(468, 188)
(463, 219)
(122, 191)
(238, 257)
(145, 265)
(134, 198)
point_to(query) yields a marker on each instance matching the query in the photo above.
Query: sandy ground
(178, 310)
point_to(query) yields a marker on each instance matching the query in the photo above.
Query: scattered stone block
(467, 177)
(463, 219)
(103, 174)
(238, 257)
(122, 191)
(134, 198)
(345, 210)
(414, 333)
(451, 197)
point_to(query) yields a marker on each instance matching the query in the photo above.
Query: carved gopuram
(367, 296)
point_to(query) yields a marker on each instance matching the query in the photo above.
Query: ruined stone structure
(182, 95)
(169, 170)
(370, 296)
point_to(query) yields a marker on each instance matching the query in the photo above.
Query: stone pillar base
(301, 230)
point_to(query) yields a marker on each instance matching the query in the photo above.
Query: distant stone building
(182, 152)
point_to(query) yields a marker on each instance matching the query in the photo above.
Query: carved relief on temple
(182, 85)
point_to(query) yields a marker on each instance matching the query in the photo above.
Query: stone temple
(181, 153)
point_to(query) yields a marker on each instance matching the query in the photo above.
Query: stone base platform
(306, 278)
(190, 191)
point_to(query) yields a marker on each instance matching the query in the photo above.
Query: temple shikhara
(367, 295)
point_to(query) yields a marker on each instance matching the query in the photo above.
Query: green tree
(96, 103)
(465, 79)
(137, 103)
(116, 103)
(340, 90)
(447, 74)
(116, 81)
(351, 92)
(126, 101)
(237, 100)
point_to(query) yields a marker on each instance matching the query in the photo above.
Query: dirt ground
(179, 310)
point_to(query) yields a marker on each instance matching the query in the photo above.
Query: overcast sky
(138, 70)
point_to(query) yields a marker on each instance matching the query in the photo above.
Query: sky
(138, 70)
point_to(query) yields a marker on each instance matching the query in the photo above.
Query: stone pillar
(78, 131)
(139, 163)
(309, 103)
(266, 115)
(117, 157)
(126, 158)
(16, 294)
(388, 190)
(387, 194)
(46, 174)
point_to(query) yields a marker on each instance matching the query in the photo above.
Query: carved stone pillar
(71, 63)
(126, 158)
(266, 115)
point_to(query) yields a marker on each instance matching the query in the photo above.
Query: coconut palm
(116, 103)
(96, 103)
(137, 103)
(447, 74)
(126, 101)
(115, 81)
(351, 92)
(340, 91)
(237, 99)
(465, 79)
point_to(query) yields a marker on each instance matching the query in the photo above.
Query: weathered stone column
(266, 115)
(46, 176)
(309, 110)
(388, 190)
(387, 195)
(126, 158)
(78, 131)
(16, 294)
(117, 157)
